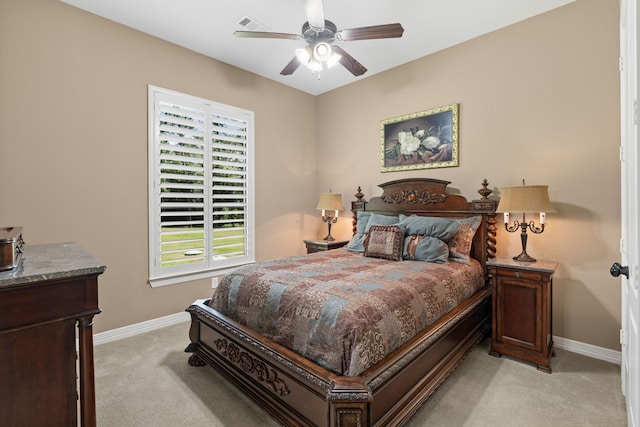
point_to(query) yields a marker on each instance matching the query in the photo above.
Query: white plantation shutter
(229, 185)
(200, 187)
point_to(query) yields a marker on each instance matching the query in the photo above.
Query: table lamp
(525, 199)
(330, 204)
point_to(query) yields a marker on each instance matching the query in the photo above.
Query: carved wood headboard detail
(429, 197)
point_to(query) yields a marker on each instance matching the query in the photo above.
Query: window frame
(209, 267)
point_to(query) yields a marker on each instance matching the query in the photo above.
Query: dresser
(47, 303)
(522, 323)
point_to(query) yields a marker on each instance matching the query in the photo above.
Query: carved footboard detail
(252, 366)
(349, 418)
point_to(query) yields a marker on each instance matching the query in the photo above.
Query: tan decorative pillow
(460, 243)
(384, 241)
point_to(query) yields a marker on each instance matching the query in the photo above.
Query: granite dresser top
(49, 262)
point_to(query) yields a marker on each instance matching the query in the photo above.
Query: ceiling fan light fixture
(322, 51)
(304, 54)
(314, 65)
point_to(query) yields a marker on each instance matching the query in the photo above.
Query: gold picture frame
(423, 140)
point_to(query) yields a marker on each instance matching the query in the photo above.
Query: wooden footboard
(298, 392)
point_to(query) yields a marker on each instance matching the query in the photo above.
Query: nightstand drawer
(521, 274)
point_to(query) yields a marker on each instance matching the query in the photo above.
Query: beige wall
(73, 145)
(538, 100)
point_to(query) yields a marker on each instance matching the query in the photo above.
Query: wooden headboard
(429, 197)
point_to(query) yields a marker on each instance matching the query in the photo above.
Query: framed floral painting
(423, 140)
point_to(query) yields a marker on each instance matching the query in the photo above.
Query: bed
(376, 372)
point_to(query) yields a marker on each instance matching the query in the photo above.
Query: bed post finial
(484, 191)
(356, 206)
(488, 206)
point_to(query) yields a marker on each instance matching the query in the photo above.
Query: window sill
(157, 282)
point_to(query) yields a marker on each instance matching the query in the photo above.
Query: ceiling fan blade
(266, 35)
(349, 62)
(374, 32)
(291, 67)
(315, 14)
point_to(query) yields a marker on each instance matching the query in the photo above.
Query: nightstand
(323, 245)
(521, 324)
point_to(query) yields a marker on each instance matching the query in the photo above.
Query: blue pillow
(366, 220)
(425, 248)
(440, 228)
(363, 220)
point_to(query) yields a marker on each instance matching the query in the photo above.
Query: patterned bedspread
(340, 309)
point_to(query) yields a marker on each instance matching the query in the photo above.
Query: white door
(629, 242)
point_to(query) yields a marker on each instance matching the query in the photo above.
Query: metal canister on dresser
(10, 247)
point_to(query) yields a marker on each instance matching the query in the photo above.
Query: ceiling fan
(320, 35)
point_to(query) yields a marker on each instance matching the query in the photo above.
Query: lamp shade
(525, 199)
(330, 202)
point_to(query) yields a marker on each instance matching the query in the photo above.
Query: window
(201, 203)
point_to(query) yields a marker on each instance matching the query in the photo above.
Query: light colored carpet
(145, 381)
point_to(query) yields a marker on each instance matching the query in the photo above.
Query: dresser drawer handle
(517, 274)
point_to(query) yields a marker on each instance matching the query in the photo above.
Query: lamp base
(329, 220)
(524, 257)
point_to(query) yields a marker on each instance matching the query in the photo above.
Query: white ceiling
(207, 26)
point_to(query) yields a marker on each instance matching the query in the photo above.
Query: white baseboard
(139, 328)
(588, 350)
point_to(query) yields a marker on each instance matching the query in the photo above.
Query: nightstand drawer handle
(518, 274)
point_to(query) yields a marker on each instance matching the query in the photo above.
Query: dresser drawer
(47, 301)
